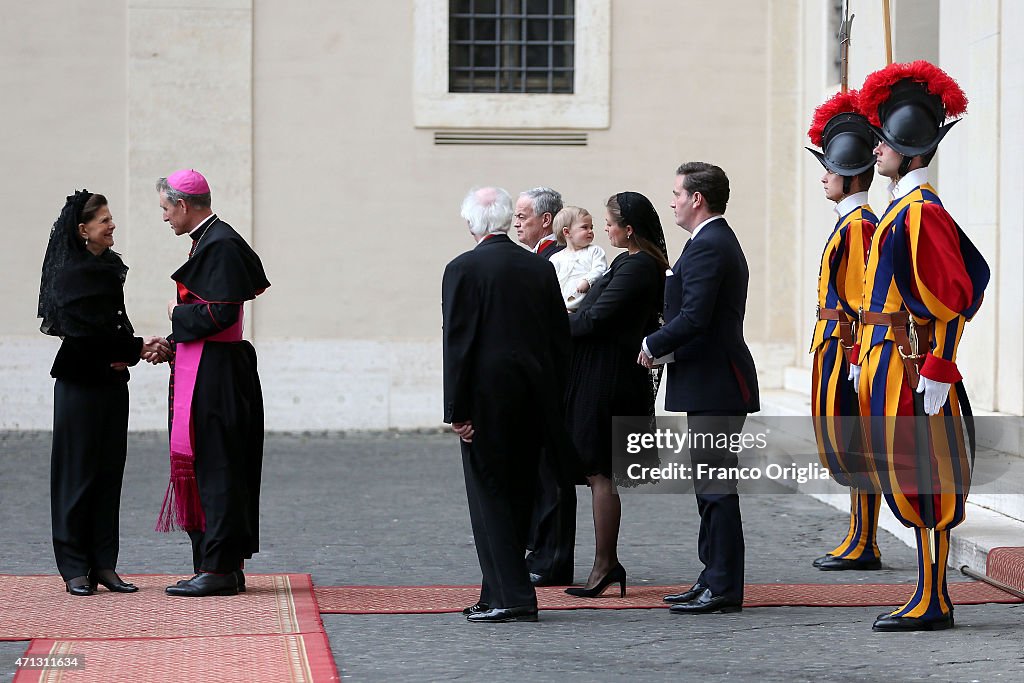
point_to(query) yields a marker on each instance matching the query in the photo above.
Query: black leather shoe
(818, 560)
(478, 608)
(838, 564)
(79, 585)
(890, 623)
(109, 579)
(706, 603)
(205, 584)
(541, 580)
(501, 615)
(239, 576)
(687, 596)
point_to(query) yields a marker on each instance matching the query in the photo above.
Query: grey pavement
(390, 509)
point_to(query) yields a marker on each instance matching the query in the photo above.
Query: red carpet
(296, 658)
(38, 607)
(1006, 565)
(441, 599)
(272, 632)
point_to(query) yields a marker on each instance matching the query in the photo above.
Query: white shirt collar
(851, 202)
(703, 223)
(206, 221)
(550, 237)
(906, 184)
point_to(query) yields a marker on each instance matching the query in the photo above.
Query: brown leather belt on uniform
(845, 326)
(908, 343)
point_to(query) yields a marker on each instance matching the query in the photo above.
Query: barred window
(511, 46)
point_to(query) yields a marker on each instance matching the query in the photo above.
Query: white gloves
(935, 394)
(854, 377)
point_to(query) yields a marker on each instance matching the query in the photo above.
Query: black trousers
(553, 527)
(500, 488)
(90, 445)
(227, 420)
(720, 544)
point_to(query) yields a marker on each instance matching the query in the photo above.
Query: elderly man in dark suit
(712, 377)
(506, 348)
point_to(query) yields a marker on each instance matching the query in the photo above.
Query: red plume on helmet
(843, 134)
(840, 103)
(877, 88)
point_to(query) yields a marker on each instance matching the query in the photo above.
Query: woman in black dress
(81, 300)
(605, 381)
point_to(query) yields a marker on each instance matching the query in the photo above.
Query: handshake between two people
(155, 350)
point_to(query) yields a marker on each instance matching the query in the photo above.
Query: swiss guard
(846, 140)
(924, 281)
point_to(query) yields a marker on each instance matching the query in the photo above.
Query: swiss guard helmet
(908, 104)
(844, 135)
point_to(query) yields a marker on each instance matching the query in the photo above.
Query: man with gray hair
(216, 402)
(553, 529)
(505, 346)
(535, 215)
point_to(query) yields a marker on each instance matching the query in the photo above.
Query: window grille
(511, 46)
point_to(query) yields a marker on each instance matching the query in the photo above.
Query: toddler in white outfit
(582, 262)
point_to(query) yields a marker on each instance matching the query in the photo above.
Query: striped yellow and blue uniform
(921, 262)
(840, 281)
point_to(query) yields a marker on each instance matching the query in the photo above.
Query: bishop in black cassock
(216, 401)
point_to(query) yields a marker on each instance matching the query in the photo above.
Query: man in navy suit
(506, 359)
(711, 377)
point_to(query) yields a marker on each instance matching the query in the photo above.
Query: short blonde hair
(564, 219)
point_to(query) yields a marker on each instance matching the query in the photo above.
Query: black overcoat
(506, 346)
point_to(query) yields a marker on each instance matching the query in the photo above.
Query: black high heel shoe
(79, 585)
(109, 579)
(616, 575)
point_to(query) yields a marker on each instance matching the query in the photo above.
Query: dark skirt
(90, 446)
(605, 381)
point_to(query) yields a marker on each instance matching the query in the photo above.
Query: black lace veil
(637, 210)
(64, 245)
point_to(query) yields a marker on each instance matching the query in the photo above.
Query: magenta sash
(182, 508)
